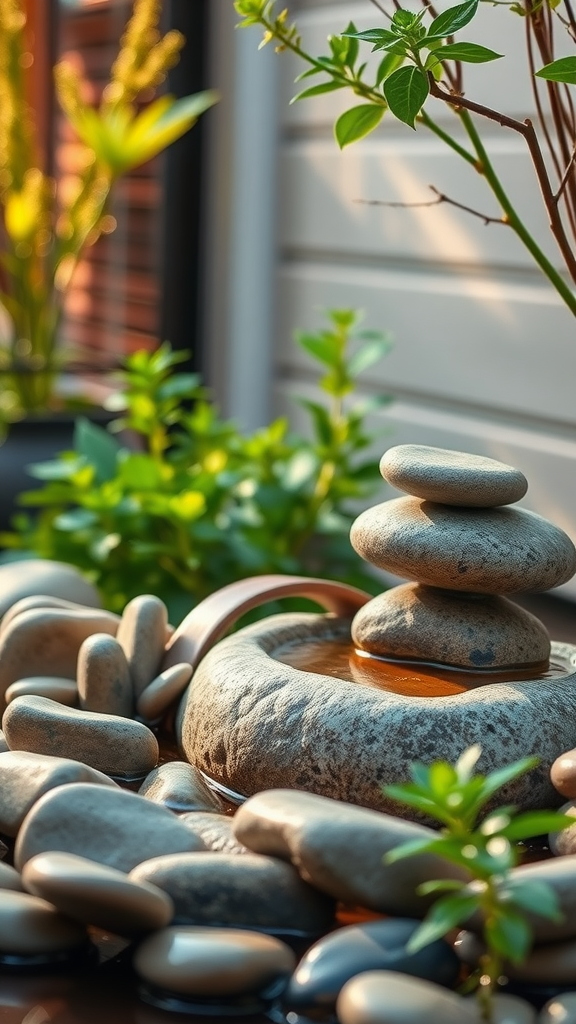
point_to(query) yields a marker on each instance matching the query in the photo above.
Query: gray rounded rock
(10, 878)
(559, 1010)
(563, 843)
(180, 787)
(553, 963)
(388, 997)
(250, 891)
(104, 682)
(31, 576)
(215, 830)
(142, 634)
(563, 774)
(559, 874)
(30, 926)
(63, 691)
(424, 623)
(109, 826)
(452, 478)
(157, 697)
(117, 746)
(487, 551)
(36, 601)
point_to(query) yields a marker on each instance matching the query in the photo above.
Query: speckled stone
(117, 746)
(109, 826)
(155, 700)
(379, 945)
(10, 878)
(215, 830)
(142, 635)
(32, 576)
(453, 478)
(250, 891)
(63, 691)
(339, 849)
(97, 895)
(563, 774)
(213, 962)
(104, 682)
(414, 621)
(564, 843)
(46, 641)
(553, 963)
(559, 1010)
(489, 551)
(253, 723)
(29, 926)
(25, 777)
(388, 997)
(181, 787)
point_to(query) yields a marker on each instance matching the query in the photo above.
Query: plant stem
(464, 153)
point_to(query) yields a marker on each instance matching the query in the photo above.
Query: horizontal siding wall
(484, 354)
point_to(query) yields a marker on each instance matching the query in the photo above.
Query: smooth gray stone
(25, 777)
(142, 634)
(452, 478)
(110, 826)
(180, 787)
(63, 691)
(559, 1010)
(253, 723)
(388, 997)
(552, 963)
(104, 682)
(560, 874)
(155, 700)
(485, 551)
(379, 945)
(10, 878)
(39, 601)
(339, 849)
(250, 891)
(215, 830)
(117, 746)
(29, 925)
(32, 576)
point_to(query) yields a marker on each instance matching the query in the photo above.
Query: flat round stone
(64, 691)
(428, 624)
(181, 787)
(31, 926)
(388, 997)
(452, 478)
(97, 895)
(563, 774)
(213, 962)
(487, 551)
(114, 745)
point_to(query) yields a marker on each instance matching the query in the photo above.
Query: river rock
(31, 576)
(452, 478)
(108, 825)
(39, 601)
(339, 849)
(97, 895)
(559, 1010)
(10, 878)
(25, 777)
(563, 774)
(250, 891)
(379, 945)
(142, 635)
(30, 926)
(180, 787)
(46, 641)
(117, 746)
(560, 874)
(492, 551)
(553, 963)
(104, 682)
(564, 842)
(388, 997)
(155, 700)
(63, 691)
(213, 963)
(415, 621)
(215, 830)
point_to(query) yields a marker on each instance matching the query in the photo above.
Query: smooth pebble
(388, 997)
(10, 878)
(559, 1010)
(39, 601)
(181, 787)
(31, 926)
(559, 873)
(563, 774)
(215, 830)
(453, 478)
(563, 843)
(510, 1009)
(63, 691)
(31, 576)
(142, 635)
(104, 682)
(552, 963)
(155, 700)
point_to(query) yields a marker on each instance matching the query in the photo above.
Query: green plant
(46, 227)
(202, 505)
(455, 797)
(421, 62)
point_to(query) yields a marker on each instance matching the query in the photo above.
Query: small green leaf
(536, 823)
(387, 66)
(75, 519)
(439, 885)
(406, 91)
(530, 894)
(318, 90)
(441, 918)
(352, 51)
(562, 70)
(410, 849)
(509, 934)
(471, 53)
(369, 355)
(98, 447)
(380, 37)
(452, 20)
(323, 347)
(357, 122)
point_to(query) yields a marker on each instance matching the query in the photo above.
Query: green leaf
(471, 53)
(562, 70)
(509, 934)
(452, 20)
(352, 51)
(323, 347)
(439, 885)
(139, 472)
(467, 762)
(380, 37)
(75, 519)
(536, 823)
(441, 918)
(56, 469)
(98, 447)
(496, 779)
(537, 897)
(406, 91)
(410, 849)
(387, 66)
(317, 90)
(368, 355)
(442, 779)
(357, 122)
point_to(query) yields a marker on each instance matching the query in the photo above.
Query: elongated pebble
(97, 895)
(25, 777)
(46, 641)
(10, 878)
(142, 635)
(27, 604)
(108, 825)
(163, 690)
(215, 830)
(388, 997)
(111, 744)
(181, 787)
(63, 691)
(29, 925)
(104, 682)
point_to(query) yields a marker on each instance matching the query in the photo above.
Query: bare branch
(566, 175)
(440, 198)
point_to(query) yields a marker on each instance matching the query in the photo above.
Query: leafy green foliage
(200, 505)
(562, 70)
(455, 797)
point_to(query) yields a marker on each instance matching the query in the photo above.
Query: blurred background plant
(45, 231)
(202, 505)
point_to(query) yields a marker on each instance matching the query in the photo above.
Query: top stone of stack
(452, 478)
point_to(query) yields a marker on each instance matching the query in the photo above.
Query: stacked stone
(456, 537)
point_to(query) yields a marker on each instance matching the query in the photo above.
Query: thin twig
(440, 198)
(381, 9)
(566, 175)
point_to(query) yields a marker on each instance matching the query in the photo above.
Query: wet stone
(559, 1010)
(564, 843)
(559, 873)
(142, 634)
(109, 826)
(31, 926)
(63, 691)
(10, 878)
(25, 777)
(117, 746)
(32, 576)
(215, 830)
(97, 895)
(378, 945)
(155, 700)
(104, 682)
(563, 774)
(180, 787)
(249, 891)
(388, 997)
(553, 963)
(452, 478)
